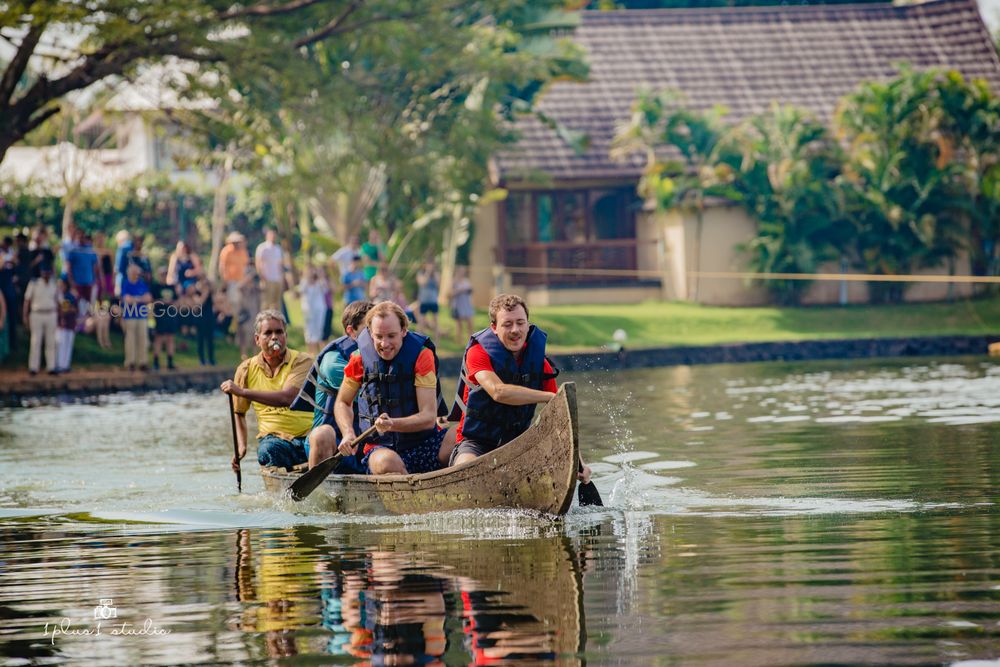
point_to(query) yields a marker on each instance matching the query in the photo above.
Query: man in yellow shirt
(268, 382)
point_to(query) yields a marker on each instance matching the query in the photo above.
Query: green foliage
(701, 4)
(705, 169)
(786, 179)
(900, 179)
(656, 324)
(971, 127)
(659, 121)
(913, 182)
(155, 207)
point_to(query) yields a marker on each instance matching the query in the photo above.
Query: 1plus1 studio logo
(106, 623)
(105, 610)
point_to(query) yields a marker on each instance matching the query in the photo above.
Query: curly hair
(506, 302)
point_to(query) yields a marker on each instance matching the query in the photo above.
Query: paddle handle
(367, 433)
(236, 444)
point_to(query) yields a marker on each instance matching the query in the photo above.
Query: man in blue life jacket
(504, 375)
(324, 383)
(393, 375)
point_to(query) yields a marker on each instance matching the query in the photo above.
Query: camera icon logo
(104, 610)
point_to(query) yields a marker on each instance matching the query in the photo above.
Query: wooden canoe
(535, 471)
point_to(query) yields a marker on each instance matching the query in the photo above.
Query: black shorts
(470, 447)
(428, 308)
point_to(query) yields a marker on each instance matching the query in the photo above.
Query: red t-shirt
(476, 359)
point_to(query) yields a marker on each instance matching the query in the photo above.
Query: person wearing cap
(233, 262)
(41, 302)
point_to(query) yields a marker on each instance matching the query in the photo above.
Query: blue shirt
(82, 263)
(121, 257)
(134, 311)
(328, 380)
(352, 294)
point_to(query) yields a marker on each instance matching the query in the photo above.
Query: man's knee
(278, 452)
(384, 461)
(322, 436)
(464, 457)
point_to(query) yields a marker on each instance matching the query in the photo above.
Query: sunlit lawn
(650, 324)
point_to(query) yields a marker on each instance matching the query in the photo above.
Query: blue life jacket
(490, 422)
(305, 400)
(387, 387)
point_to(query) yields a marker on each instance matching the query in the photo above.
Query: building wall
(668, 253)
(829, 291)
(678, 253)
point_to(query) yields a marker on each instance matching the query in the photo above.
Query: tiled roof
(741, 58)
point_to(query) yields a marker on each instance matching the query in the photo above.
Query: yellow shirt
(254, 373)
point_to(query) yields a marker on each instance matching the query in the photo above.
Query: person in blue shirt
(83, 273)
(329, 375)
(355, 283)
(124, 241)
(135, 318)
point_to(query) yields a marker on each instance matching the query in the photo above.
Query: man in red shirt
(394, 376)
(505, 374)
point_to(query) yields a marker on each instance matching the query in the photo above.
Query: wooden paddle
(588, 493)
(313, 477)
(236, 444)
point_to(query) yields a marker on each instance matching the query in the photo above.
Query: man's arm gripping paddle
(313, 477)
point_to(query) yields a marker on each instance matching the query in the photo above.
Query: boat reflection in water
(410, 597)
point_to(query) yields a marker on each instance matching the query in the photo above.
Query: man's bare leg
(447, 445)
(384, 461)
(464, 457)
(322, 444)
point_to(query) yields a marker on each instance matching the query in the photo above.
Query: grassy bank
(656, 324)
(650, 324)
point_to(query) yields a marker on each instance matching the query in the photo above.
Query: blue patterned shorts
(422, 458)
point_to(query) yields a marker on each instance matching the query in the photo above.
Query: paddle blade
(312, 478)
(589, 495)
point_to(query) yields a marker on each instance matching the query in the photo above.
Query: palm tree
(785, 177)
(970, 122)
(899, 179)
(660, 126)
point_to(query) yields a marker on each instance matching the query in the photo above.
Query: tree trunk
(219, 216)
(69, 208)
(283, 216)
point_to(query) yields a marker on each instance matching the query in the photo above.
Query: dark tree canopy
(700, 4)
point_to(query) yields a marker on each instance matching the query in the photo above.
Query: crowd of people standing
(53, 291)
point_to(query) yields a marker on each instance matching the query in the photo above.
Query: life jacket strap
(306, 393)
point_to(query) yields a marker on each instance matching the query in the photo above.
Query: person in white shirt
(345, 255)
(40, 316)
(313, 291)
(269, 262)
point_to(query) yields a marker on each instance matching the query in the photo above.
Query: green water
(764, 514)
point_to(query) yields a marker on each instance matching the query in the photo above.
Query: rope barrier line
(749, 275)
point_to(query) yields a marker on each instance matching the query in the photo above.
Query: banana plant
(685, 160)
(785, 176)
